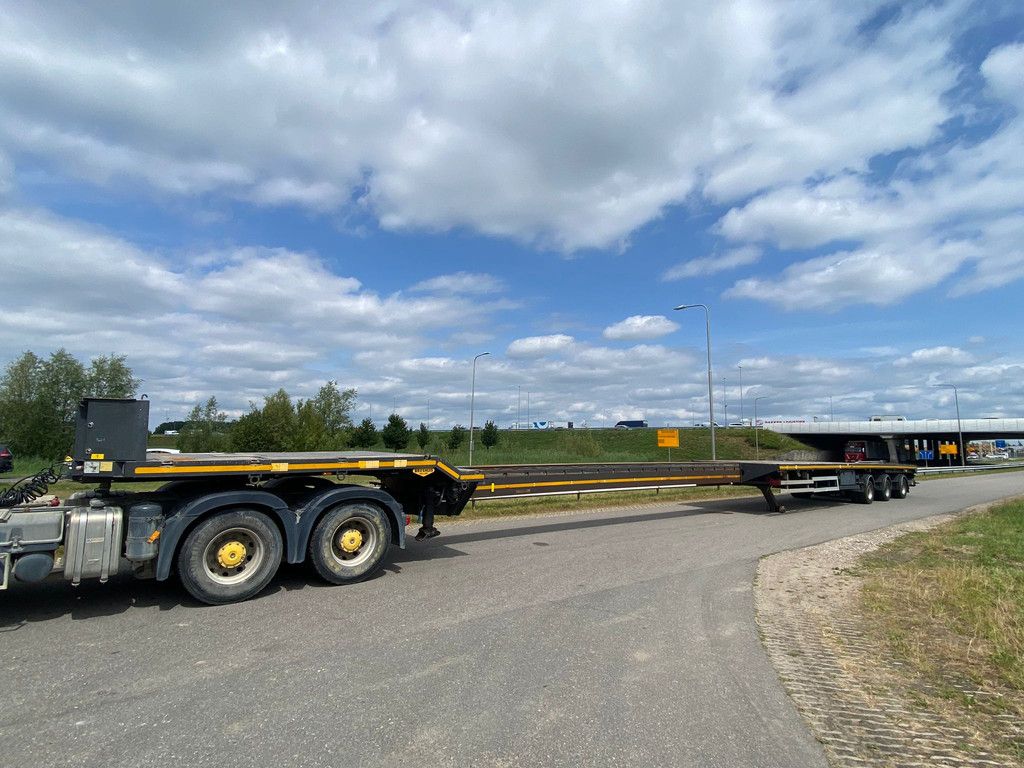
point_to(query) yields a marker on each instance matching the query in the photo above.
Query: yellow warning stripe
(183, 469)
(550, 483)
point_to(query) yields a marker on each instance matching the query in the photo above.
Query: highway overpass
(910, 435)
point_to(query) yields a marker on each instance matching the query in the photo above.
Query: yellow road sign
(668, 438)
(949, 449)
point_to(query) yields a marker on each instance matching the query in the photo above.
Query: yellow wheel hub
(231, 554)
(351, 540)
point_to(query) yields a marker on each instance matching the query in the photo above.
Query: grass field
(950, 604)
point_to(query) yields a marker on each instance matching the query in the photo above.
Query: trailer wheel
(902, 488)
(867, 493)
(349, 543)
(884, 493)
(230, 557)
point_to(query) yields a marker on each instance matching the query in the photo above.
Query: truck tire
(349, 543)
(883, 490)
(867, 492)
(230, 556)
(901, 489)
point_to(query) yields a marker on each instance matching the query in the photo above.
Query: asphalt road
(620, 638)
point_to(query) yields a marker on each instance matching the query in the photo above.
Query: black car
(6, 459)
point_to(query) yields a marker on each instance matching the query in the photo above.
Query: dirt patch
(858, 702)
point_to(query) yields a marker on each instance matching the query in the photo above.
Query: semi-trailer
(223, 523)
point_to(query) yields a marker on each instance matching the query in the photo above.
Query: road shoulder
(851, 696)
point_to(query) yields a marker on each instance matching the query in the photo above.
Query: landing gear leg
(769, 497)
(427, 530)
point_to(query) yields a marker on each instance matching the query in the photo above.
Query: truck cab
(865, 450)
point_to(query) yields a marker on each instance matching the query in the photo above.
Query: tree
(365, 435)
(322, 422)
(423, 436)
(279, 422)
(39, 398)
(489, 435)
(396, 433)
(110, 377)
(455, 437)
(205, 429)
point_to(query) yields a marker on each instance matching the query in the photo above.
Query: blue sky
(243, 197)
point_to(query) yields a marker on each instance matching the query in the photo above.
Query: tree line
(321, 423)
(39, 403)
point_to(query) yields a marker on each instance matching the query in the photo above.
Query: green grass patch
(568, 446)
(950, 603)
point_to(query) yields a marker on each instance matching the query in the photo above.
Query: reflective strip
(551, 483)
(181, 469)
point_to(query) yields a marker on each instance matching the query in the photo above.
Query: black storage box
(110, 429)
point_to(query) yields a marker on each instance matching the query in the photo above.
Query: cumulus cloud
(538, 346)
(462, 283)
(869, 275)
(236, 323)
(943, 355)
(709, 265)
(947, 209)
(640, 328)
(540, 122)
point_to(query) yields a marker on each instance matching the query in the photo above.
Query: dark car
(6, 459)
(631, 424)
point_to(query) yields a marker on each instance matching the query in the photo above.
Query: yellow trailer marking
(282, 467)
(599, 481)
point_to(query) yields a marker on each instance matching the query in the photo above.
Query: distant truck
(631, 424)
(865, 450)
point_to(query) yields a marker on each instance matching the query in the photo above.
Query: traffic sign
(948, 449)
(668, 438)
(1000, 443)
(926, 455)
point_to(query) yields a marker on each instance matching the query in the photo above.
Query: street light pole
(757, 444)
(711, 396)
(740, 369)
(472, 402)
(959, 429)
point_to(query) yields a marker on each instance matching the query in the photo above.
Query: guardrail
(957, 469)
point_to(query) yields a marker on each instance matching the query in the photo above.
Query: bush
(455, 437)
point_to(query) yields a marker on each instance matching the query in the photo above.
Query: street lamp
(711, 397)
(472, 399)
(959, 430)
(757, 444)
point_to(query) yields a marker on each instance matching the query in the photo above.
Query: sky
(241, 197)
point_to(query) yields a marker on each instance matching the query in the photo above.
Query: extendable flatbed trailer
(224, 522)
